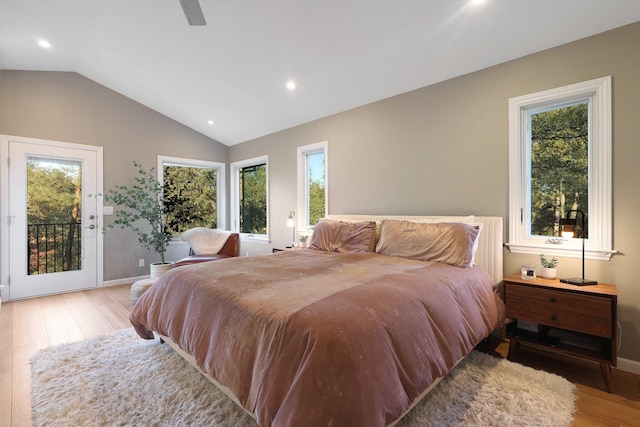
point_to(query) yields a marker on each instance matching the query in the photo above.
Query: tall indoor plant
(142, 202)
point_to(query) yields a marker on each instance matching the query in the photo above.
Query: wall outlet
(141, 262)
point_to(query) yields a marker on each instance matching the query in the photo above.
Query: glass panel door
(53, 228)
(54, 215)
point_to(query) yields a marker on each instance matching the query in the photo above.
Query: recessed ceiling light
(210, 122)
(477, 1)
(291, 85)
(44, 43)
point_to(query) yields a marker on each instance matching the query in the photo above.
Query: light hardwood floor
(28, 326)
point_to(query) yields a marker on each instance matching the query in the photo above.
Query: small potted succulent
(549, 267)
(303, 241)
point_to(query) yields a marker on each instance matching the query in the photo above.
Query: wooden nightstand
(557, 317)
(286, 248)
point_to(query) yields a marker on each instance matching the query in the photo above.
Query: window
(193, 193)
(250, 207)
(560, 162)
(312, 184)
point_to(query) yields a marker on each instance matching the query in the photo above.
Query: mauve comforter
(312, 338)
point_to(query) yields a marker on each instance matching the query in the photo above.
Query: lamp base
(579, 282)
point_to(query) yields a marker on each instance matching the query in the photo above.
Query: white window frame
(235, 199)
(303, 225)
(599, 243)
(220, 169)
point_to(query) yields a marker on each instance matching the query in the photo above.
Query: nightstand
(577, 320)
(286, 248)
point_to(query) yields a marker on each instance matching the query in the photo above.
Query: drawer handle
(553, 300)
(553, 318)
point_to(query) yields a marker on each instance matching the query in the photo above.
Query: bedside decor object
(528, 272)
(568, 228)
(549, 267)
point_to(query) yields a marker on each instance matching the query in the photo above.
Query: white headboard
(490, 250)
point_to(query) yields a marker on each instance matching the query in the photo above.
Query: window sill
(252, 238)
(566, 251)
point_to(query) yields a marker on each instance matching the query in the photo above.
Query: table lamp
(291, 223)
(568, 229)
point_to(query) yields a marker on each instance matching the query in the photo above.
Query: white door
(51, 237)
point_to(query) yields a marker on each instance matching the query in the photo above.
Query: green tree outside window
(559, 166)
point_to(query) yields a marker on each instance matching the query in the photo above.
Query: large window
(559, 146)
(560, 163)
(193, 193)
(312, 184)
(250, 206)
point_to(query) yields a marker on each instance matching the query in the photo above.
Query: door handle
(91, 227)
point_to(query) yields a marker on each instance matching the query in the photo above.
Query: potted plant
(303, 241)
(549, 267)
(143, 202)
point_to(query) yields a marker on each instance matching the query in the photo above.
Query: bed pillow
(340, 236)
(450, 243)
(468, 219)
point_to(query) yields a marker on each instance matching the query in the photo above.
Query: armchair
(207, 244)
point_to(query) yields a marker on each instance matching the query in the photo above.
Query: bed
(352, 332)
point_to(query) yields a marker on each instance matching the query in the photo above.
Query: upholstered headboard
(490, 250)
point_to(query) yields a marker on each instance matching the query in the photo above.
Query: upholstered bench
(139, 288)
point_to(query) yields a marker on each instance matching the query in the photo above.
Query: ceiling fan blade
(193, 12)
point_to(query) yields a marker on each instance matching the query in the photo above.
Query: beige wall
(443, 149)
(68, 107)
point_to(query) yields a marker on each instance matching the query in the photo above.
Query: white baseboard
(125, 281)
(628, 366)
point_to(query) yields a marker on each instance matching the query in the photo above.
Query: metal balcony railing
(55, 247)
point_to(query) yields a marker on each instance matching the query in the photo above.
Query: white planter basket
(549, 273)
(157, 269)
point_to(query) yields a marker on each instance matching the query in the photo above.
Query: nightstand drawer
(566, 310)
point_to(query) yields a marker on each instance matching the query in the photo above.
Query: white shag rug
(122, 380)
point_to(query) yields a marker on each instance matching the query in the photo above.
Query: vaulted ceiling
(340, 53)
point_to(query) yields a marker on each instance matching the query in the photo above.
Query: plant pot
(549, 273)
(157, 269)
